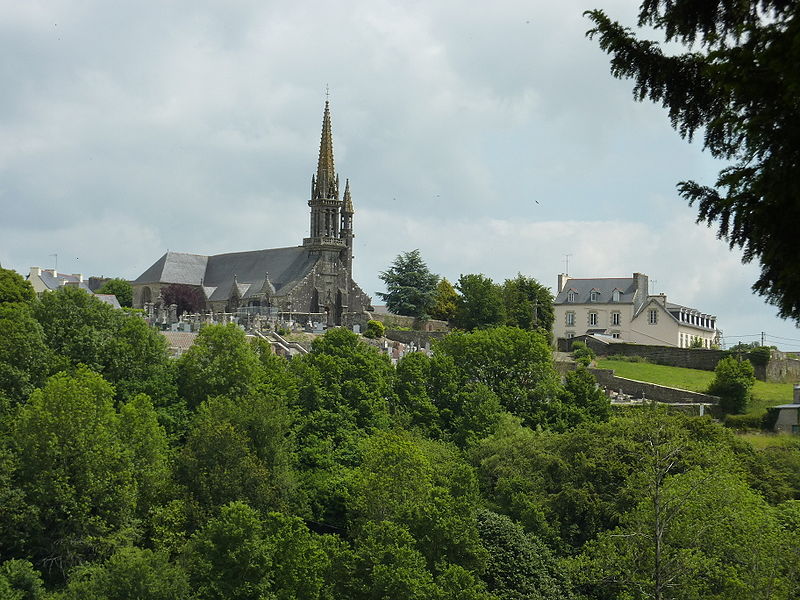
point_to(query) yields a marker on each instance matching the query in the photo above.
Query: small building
(623, 309)
(788, 420)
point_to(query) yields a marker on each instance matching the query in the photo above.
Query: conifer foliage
(738, 84)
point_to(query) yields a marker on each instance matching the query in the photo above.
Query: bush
(582, 354)
(626, 358)
(733, 382)
(760, 356)
(744, 422)
(375, 329)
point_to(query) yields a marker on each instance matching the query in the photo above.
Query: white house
(622, 308)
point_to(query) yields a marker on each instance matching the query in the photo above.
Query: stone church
(308, 283)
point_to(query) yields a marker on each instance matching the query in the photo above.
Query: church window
(570, 319)
(592, 318)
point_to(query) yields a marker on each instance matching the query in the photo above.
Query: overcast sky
(488, 135)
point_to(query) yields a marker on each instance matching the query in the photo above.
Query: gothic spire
(348, 200)
(326, 173)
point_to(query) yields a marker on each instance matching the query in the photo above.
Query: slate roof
(53, 283)
(109, 299)
(215, 273)
(604, 286)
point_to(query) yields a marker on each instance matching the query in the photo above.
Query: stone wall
(690, 358)
(421, 339)
(400, 321)
(651, 391)
(780, 369)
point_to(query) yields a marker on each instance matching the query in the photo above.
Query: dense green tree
(83, 330)
(479, 304)
(388, 566)
(74, 471)
(14, 288)
(230, 558)
(737, 84)
(25, 359)
(20, 581)
(699, 534)
(121, 288)
(414, 408)
(410, 286)
(240, 449)
(219, 363)
(733, 382)
(345, 391)
(146, 442)
(519, 565)
(423, 485)
(445, 301)
(528, 304)
(129, 573)
(516, 365)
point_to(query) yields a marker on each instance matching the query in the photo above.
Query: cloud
(194, 126)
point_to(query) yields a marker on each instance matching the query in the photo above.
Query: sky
(490, 136)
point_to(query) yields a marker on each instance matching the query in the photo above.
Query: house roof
(285, 267)
(109, 299)
(788, 406)
(603, 286)
(54, 282)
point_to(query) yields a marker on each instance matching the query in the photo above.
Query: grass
(695, 380)
(760, 441)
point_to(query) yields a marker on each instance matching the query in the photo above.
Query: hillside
(695, 380)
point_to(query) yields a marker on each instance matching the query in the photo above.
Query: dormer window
(615, 296)
(594, 296)
(572, 296)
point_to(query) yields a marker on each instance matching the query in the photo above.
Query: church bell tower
(326, 227)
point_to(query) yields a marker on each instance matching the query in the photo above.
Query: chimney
(562, 281)
(640, 281)
(36, 271)
(80, 277)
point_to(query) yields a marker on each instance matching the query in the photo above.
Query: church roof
(215, 273)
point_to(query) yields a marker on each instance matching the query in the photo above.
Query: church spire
(326, 182)
(348, 200)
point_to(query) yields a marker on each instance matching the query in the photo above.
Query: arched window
(615, 296)
(571, 296)
(594, 296)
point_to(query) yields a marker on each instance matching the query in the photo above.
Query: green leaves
(738, 84)
(410, 286)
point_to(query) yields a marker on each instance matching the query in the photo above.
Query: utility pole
(763, 339)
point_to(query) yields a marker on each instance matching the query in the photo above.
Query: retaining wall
(651, 391)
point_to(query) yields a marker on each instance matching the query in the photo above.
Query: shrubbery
(733, 382)
(582, 354)
(374, 329)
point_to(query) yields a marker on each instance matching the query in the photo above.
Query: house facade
(311, 282)
(622, 308)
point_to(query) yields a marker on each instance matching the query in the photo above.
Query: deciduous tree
(479, 304)
(121, 288)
